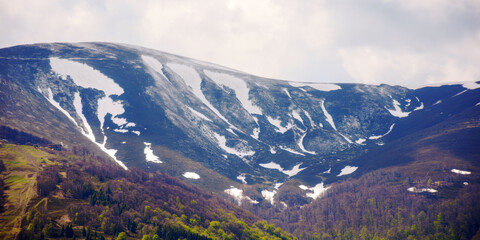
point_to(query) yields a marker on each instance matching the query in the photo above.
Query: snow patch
(297, 116)
(272, 150)
(329, 119)
(256, 133)
(292, 172)
(291, 150)
(192, 79)
(222, 144)
(303, 187)
(77, 103)
(198, 114)
(326, 87)
(136, 132)
(461, 172)
(315, 191)
(130, 124)
(154, 64)
(361, 141)
(191, 175)
(87, 132)
(460, 93)
(328, 171)
(105, 106)
(302, 147)
(420, 107)
(269, 195)
(278, 124)
(121, 130)
(149, 156)
(471, 85)
(57, 105)
(286, 92)
(437, 102)
(85, 76)
(242, 178)
(239, 86)
(420, 190)
(238, 195)
(312, 123)
(380, 136)
(347, 170)
(397, 111)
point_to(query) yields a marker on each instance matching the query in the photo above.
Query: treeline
(19, 137)
(378, 206)
(101, 199)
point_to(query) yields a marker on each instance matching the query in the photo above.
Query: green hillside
(55, 194)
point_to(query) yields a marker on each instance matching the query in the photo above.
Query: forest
(48, 194)
(378, 205)
(87, 197)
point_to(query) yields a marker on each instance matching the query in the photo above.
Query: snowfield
(420, 190)
(154, 64)
(238, 195)
(269, 195)
(191, 175)
(380, 136)
(194, 81)
(149, 156)
(239, 86)
(292, 172)
(347, 170)
(314, 192)
(329, 119)
(242, 178)
(326, 87)
(278, 125)
(461, 172)
(397, 111)
(222, 143)
(85, 76)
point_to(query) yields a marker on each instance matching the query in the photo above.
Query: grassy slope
(23, 164)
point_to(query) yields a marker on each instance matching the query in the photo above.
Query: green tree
(122, 236)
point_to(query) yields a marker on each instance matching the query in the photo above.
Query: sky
(411, 43)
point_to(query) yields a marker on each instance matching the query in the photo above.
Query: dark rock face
(126, 100)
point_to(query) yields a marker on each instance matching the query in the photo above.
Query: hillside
(124, 101)
(422, 186)
(52, 194)
(157, 145)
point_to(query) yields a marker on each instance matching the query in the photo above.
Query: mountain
(211, 125)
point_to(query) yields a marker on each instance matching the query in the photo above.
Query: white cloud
(449, 63)
(404, 42)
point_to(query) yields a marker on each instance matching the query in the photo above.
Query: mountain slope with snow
(127, 102)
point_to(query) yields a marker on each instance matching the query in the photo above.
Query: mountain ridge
(250, 129)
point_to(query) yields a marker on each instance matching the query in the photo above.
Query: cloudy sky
(399, 42)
